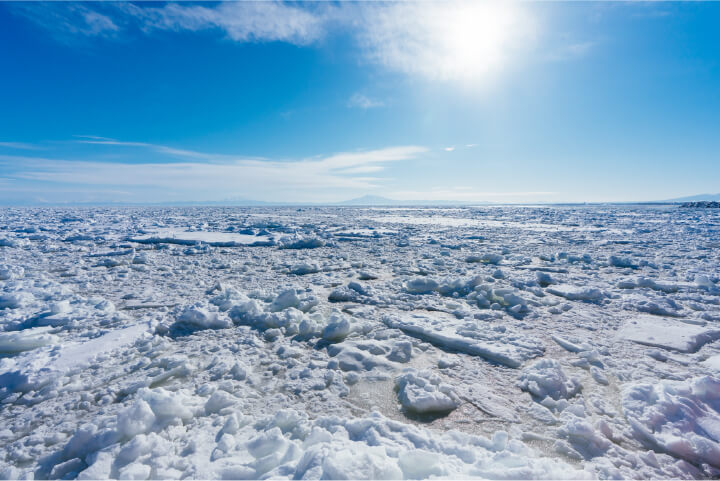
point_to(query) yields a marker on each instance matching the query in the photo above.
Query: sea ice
(668, 334)
(494, 342)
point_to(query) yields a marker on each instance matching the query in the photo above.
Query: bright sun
(463, 41)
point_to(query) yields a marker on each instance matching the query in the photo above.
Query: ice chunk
(198, 317)
(369, 463)
(424, 392)
(505, 348)
(7, 242)
(338, 328)
(304, 269)
(12, 342)
(668, 334)
(487, 258)
(14, 300)
(137, 419)
(704, 282)
(74, 356)
(11, 272)
(266, 443)
(219, 400)
(617, 261)
(421, 285)
(287, 298)
(301, 243)
(347, 357)
(544, 278)
(546, 378)
(570, 346)
(576, 293)
(680, 418)
(713, 362)
(166, 405)
(401, 352)
(421, 464)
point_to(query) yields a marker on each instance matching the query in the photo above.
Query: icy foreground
(501, 343)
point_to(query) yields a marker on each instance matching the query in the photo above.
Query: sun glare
(460, 41)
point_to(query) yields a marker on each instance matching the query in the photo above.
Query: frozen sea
(516, 342)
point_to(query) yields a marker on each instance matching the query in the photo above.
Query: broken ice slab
(216, 239)
(672, 334)
(499, 346)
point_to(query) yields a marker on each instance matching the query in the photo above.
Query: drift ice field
(360, 343)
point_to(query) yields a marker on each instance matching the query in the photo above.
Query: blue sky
(321, 102)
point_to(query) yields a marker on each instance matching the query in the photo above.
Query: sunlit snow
(335, 343)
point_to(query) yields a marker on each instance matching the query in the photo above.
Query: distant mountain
(696, 198)
(369, 200)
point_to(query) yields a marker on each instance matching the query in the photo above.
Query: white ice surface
(220, 239)
(486, 342)
(668, 334)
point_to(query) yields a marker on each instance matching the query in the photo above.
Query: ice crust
(351, 343)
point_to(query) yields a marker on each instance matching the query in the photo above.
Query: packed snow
(564, 342)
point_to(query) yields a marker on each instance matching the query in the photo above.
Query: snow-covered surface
(335, 343)
(669, 333)
(219, 239)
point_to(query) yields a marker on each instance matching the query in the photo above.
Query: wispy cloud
(243, 21)
(240, 21)
(455, 40)
(20, 146)
(305, 179)
(360, 101)
(161, 149)
(68, 20)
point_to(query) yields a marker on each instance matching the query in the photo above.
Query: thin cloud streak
(306, 179)
(161, 149)
(20, 146)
